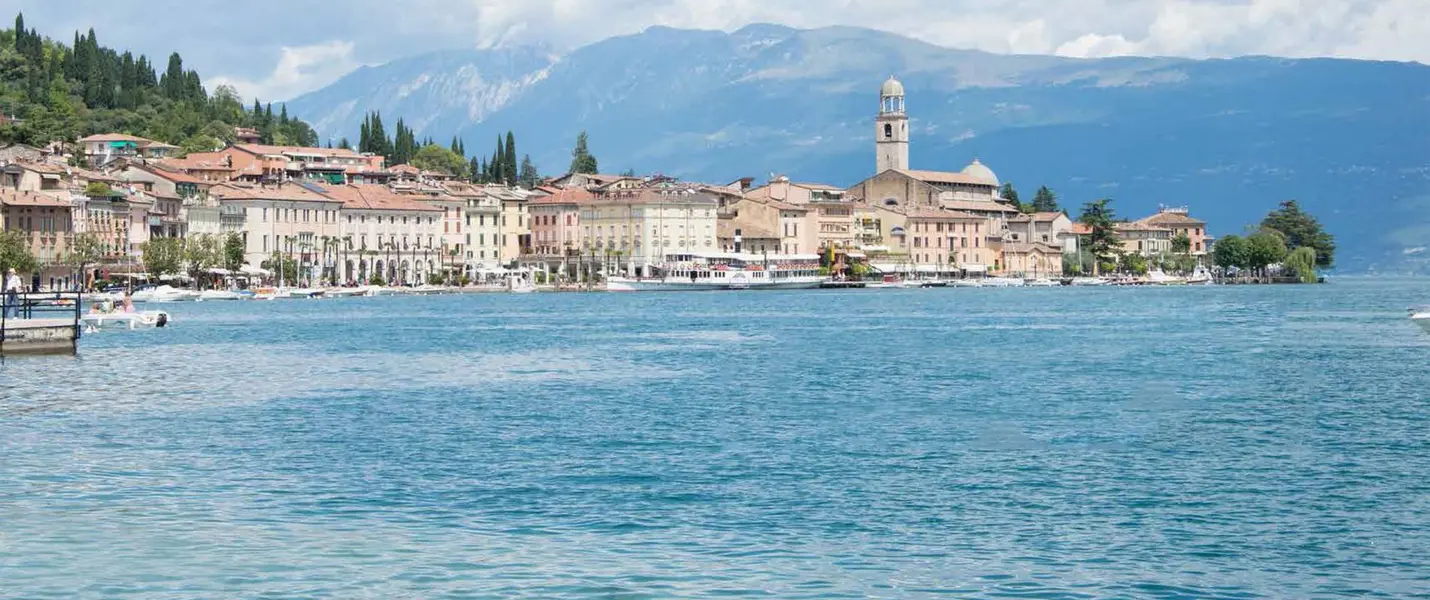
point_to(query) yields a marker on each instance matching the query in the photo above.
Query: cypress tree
(512, 174)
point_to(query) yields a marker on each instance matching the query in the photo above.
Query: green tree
(201, 253)
(1102, 241)
(15, 253)
(529, 175)
(1302, 262)
(1045, 200)
(1133, 263)
(84, 250)
(1181, 244)
(233, 251)
(1302, 230)
(1265, 248)
(163, 256)
(433, 157)
(1231, 251)
(1010, 194)
(511, 168)
(582, 161)
(97, 189)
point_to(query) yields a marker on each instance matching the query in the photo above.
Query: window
(888, 130)
(265, 243)
(265, 215)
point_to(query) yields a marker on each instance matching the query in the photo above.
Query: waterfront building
(1180, 222)
(1138, 237)
(556, 224)
(285, 219)
(795, 226)
(395, 236)
(1051, 228)
(210, 169)
(632, 230)
(739, 235)
(1035, 259)
(514, 231)
(44, 222)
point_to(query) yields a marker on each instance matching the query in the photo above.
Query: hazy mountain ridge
(1350, 139)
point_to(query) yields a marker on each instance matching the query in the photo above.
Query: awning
(218, 271)
(975, 268)
(247, 270)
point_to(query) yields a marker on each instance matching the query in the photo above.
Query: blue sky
(281, 49)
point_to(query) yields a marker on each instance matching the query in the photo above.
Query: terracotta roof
(1081, 228)
(174, 176)
(113, 137)
(191, 164)
(10, 197)
(566, 196)
(1138, 226)
(404, 169)
(288, 192)
(934, 213)
(977, 206)
(369, 196)
(261, 149)
(94, 176)
(47, 168)
(943, 177)
(1173, 218)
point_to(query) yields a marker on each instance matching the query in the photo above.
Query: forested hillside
(50, 91)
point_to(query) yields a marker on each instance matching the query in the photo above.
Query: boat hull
(622, 284)
(1421, 319)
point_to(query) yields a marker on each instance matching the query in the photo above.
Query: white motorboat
(1002, 282)
(207, 295)
(1421, 316)
(164, 293)
(1157, 277)
(301, 293)
(348, 292)
(520, 286)
(124, 320)
(1042, 282)
(1088, 281)
(428, 289)
(966, 283)
(726, 271)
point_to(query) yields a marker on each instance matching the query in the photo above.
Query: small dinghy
(1420, 315)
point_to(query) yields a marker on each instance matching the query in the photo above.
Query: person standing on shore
(12, 294)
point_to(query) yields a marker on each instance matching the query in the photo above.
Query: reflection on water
(1199, 443)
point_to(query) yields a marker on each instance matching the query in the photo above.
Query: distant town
(341, 216)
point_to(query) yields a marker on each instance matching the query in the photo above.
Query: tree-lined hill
(52, 91)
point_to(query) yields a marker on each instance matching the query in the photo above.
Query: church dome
(892, 87)
(977, 171)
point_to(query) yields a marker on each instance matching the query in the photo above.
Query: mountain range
(1229, 138)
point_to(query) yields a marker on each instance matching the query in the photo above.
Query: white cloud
(298, 70)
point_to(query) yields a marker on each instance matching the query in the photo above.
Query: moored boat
(726, 271)
(207, 295)
(164, 293)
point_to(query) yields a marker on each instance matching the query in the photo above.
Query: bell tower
(891, 135)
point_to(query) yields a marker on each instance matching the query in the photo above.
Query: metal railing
(69, 304)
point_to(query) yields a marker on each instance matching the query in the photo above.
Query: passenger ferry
(726, 271)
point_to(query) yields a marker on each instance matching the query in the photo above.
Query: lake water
(1212, 442)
